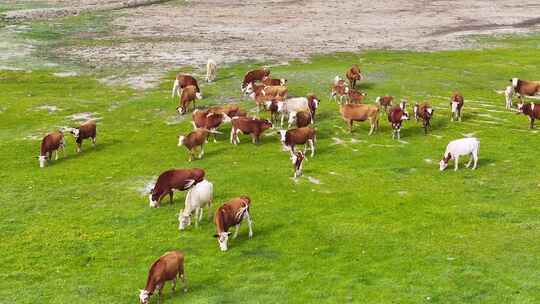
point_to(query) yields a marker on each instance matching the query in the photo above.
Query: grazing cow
(299, 136)
(273, 81)
(384, 102)
(423, 111)
(525, 87)
(456, 148)
(252, 126)
(184, 80)
(302, 119)
(197, 198)
(339, 89)
(194, 140)
(209, 121)
(360, 112)
(211, 70)
(293, 105)
(298, 160)
(396, 116)
(356, 96)
(456, 103)
(354, 74)
(508, 93)
(253, 76)
(50, 144)
(231, 214)
(85, 130)
(188, 95)
(175, 179)
(230, 110)
(530, 109)
(169, 267)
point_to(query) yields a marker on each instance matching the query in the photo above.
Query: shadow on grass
(86, 149)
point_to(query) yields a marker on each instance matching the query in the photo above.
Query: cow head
(75, 132)
(283, 81)
(266, 124)
(223, 239)
(404, 116)
(144, 296)
(280, 106)
(514, 82)
(184, 220)
(198, 95)
(180, 110)
(249, 89)
(520, 107)
(42, 161)
(153, 200)
(444, 162)
(181, 140)
(455, 105)
(403, 104)
(226, 118)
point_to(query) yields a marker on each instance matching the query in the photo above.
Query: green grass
(385, 227)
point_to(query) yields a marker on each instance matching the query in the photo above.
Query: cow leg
(56, 154)
(532, 122)
(350, 123)
(282, 118)
(459, 114)
(250, 224)
(232, 135)
(312, 145)
(190, 152)
(475, 157)
(174, 284)
(201, 211)
(372, 128)
(78, 147)
(236, 230)
(399, 133)
(456, 162)
(93, 141)
(160, 295)
(198, 215)
(182, 276)
(202, 152)
(471, 157)
(170, 197)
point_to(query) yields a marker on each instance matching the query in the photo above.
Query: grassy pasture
(383, 225)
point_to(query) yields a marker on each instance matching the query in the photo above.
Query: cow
(273, 81)
(296, 104)
(456, 103)
(298, 160)
(188, 95)
(209, 121)
(423, 111)
(360, 112)
(384, 102)
(532, 110)
(299, 136)
(184, 80)
(211, 70)
(197, 198)
(396, 116)
(508, 94)
(339, 89)
(231, 214)
(85, 130)
(50, 144)
(525, 87)
(280, 92)
(302, 119)
(169, 267)
(252, 126)
(456, 148)
(174, 179)
(253, 76)
(356, 96)
(194, 140)
(353, 74)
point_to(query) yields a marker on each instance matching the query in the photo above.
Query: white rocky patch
(84, 116)
(66, 74)
(314, 180)
(49, 108)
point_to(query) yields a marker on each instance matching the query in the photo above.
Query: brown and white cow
(396, 116)
(356, 96)
(353, 74)
(253, 76)
(456, 103)
(231, 214)
(174, 179)
(189, 94)
(209, 121)
(194, 140)
(360, 112)
(339, 89)
(85, 130)
(50, 144)
(298, 160)
(274, 81)
(525, 87)
(299, 136)
(169, 267)
(532, 110)
(184, 80)
(384, 102)
(246, 125)
(423, 111)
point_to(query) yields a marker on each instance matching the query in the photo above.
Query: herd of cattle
(272, 95)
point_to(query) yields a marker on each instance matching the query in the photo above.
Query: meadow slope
(372, 220)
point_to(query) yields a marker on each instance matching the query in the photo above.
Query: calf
(169, 267)
(197, 198)
(50, 144)
(299, 136)
(85, 130)
(525, 87)
(360, 112)
(423, 111)
(384, 102)
(298, 160)
(209, 121)
(354, 74)
(184, 80)
(273, 81)
(396, 116)
(339, 89)
(530, 109)
(456, 148)
(456, 103)
(254, 75)
(189, 94)
(194, 140)
(252, 126)
(508, 93)
(302, 119)
(175, 179)
(356, 96)
(211, 70)
(231, 214)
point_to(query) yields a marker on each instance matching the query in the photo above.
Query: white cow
(458, 147)
(198, 196)
(508, 93)
(211, 70)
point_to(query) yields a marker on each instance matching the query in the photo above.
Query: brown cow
(396, 116)
(339, 89)
(360, 112)
(169, 267)
(273, 81)
(303, 119)
(253, 76)
(530, 109)
(231, 214)
(85, 130)
(193, 140)
(525, 87)
(208, 120)
(253, 126)
(356, 96)
(384, 102)
(423, 111)
(298, 160)
(354, 74)
(299, 136)
(184, 80)
(50, 144)
(188, 95)
(179, 179)
(456, 103)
